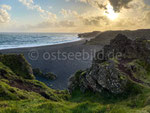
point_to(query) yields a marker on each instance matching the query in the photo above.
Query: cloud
(119, 4)
(48, 24)
(116, 4)
(147, 18)
(95, 21)
(44, 13)
(67, 0)
(64, 12)
(6, 7)
(4, 15)
(133, 14)
(68, 13)
(67, 23)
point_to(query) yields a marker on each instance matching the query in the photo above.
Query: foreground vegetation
(21, 93)
(14, 99)
(79, 103)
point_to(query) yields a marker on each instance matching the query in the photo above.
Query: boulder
(50, 76)
(38, 72)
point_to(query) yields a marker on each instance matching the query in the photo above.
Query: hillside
(104, 37)
(89, 34)
(111, 85)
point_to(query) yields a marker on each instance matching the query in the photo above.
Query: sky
(73, 15)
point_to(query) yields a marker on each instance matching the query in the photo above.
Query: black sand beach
(62, 59)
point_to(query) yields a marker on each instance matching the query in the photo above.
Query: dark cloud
(101, 6)
(147, 2)
(119, 4)
(116, 4)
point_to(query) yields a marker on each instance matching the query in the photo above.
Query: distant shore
(41, 57)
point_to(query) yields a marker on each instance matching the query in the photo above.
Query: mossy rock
(37, 72)
(6, 72)
(78, 74)
(13, 87)
(18, 64)
(17, 80)
(50, 76)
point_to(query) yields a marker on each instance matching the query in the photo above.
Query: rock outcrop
(49, 75)
(17, 80)
(18, 64)
(119, 64)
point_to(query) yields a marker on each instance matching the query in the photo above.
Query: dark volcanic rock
(111, 72)
(49, 75)
(37, 72)
(123, 47)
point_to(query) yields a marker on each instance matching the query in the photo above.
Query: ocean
(21, 40)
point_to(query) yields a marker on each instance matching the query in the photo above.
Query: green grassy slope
(19, 94)
(79, 103)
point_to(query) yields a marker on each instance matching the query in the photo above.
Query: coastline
(62, 68)
(45, 45)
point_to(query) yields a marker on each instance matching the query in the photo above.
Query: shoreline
(80, 39)
(62, 68)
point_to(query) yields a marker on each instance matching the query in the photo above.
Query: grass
(141, 70)
(136, 99)
(18, 64)
(78, 103)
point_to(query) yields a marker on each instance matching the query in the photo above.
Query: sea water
(21, 40)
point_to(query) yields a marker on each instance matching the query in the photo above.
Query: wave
(21, 40)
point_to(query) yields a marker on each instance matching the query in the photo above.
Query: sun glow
(110, 13)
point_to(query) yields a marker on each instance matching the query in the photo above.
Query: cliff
(104, 37)
(117, 82)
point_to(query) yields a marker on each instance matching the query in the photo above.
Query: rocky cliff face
(121, 63)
